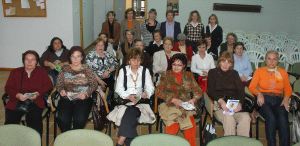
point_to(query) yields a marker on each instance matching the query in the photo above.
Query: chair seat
(234, 141)
(83, 137)
(159, 140)
(18, 135)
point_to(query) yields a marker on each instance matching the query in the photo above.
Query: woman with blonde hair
(216, 32)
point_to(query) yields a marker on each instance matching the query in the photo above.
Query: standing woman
(126, 45)
(231, 39)
(112, 28)
(75, 84)
(202, 62)
(23, 81)
(194, 29)
(103, 64)
(273, 90)
(178, 86)
(128, 116)
(54, 58)
(149, 26)
(170, 28)
(216, 32)
(130, 23)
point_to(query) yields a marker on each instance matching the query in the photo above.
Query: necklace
(134, 79)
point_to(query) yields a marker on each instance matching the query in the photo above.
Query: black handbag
(117, 100)
(209, 134)
(99, 113)
(24, 106)
(249, 105)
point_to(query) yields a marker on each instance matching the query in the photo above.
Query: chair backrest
(159, 139)
(283, 61)
(83, 137)
(253, 47)
(255, 57)
(234, 141)
(296, 86)
(297, 144)
(18, 135)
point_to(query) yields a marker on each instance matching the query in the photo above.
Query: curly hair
(181, 57)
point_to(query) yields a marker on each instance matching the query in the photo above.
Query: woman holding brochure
(180, 91)
(227, 91)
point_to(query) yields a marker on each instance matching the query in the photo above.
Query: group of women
(135, 54)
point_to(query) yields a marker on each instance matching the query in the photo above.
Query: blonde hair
(272, 52)
(198, 15)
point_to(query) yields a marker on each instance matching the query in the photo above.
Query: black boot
(128, 141)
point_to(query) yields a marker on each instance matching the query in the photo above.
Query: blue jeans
(276, 117)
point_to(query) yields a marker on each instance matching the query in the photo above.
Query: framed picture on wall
(173, 5)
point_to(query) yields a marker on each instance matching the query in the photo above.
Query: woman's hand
(244, 78)
(102, 83)
(177, 102)
(21, 97)
(82, 96)
(238, 108)
(36, 94)
(260, 99)
(286, 104)
(222, 103)
(204, 73)
(132, 98)
(63, 93)
(144, 95)
(192, 101)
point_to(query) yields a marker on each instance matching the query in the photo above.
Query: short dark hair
(73, 50)
(201, 42)
(102, 33)
(135, 53)
(239, 44)
(207, 35)
(130, 10)
(153, 11)
(233, 35)
(170, 11)
(110, 12)
(32, 52)
(181, 57)
(156, 31)
(50, 47)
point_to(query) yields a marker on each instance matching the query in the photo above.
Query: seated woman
(176, 86)
(103, 64)
(27, 84)
(223, 84)
(148, 60)
(161, 59)
(108, 46)
(54, 58)
(202, 62)
(155, 45)
(273, 90)
(182, 47)
(75, 84)
(126, 46)
(210, 50)
(242, 64)
(231, 39)
(133, 84)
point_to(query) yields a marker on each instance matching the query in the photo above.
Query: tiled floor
(141, 129)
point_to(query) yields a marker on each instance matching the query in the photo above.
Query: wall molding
(6, 69)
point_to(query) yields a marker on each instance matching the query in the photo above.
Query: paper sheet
(8, 1)
(10, 11)
(25, 4)
(42, 5)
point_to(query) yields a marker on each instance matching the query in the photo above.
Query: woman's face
(239, 50)
(177, 66)
(208, 40)
(100, 47)
(230, 40)
(212, 20)
(135, 62)
(182, 42)
(129, 36)
(157, 37)
(30, 62)
(111, 17)
(202, 49)
(168, 46)
(76, 58)
(194, 17)
(57, 45)
(271, 60)
(139, 45)
(152, 15)
(130, 15)
(225, 65)
(103, 37)
(170, 17)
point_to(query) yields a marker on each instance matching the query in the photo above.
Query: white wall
(76, 23)
(88, 22)
(23, 33)
(276, 15)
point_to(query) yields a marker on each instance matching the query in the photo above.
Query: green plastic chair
(234, 141)
(297, 144)
(83, 137)
(18, 135)
(159, 140)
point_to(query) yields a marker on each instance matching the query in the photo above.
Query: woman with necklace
(75, 84)
(272, 88)
(134, 83)
(149, 26)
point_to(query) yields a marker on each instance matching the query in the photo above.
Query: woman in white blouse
(130, 87)
(201, 63)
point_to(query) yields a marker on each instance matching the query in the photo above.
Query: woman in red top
(22, 81)
(182, 47)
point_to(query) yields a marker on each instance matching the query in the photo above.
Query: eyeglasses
(178, 65)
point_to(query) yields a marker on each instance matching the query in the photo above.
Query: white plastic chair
(253, 47)
(266, 36)
(281, 35)
(283, 60)
(255, 57)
